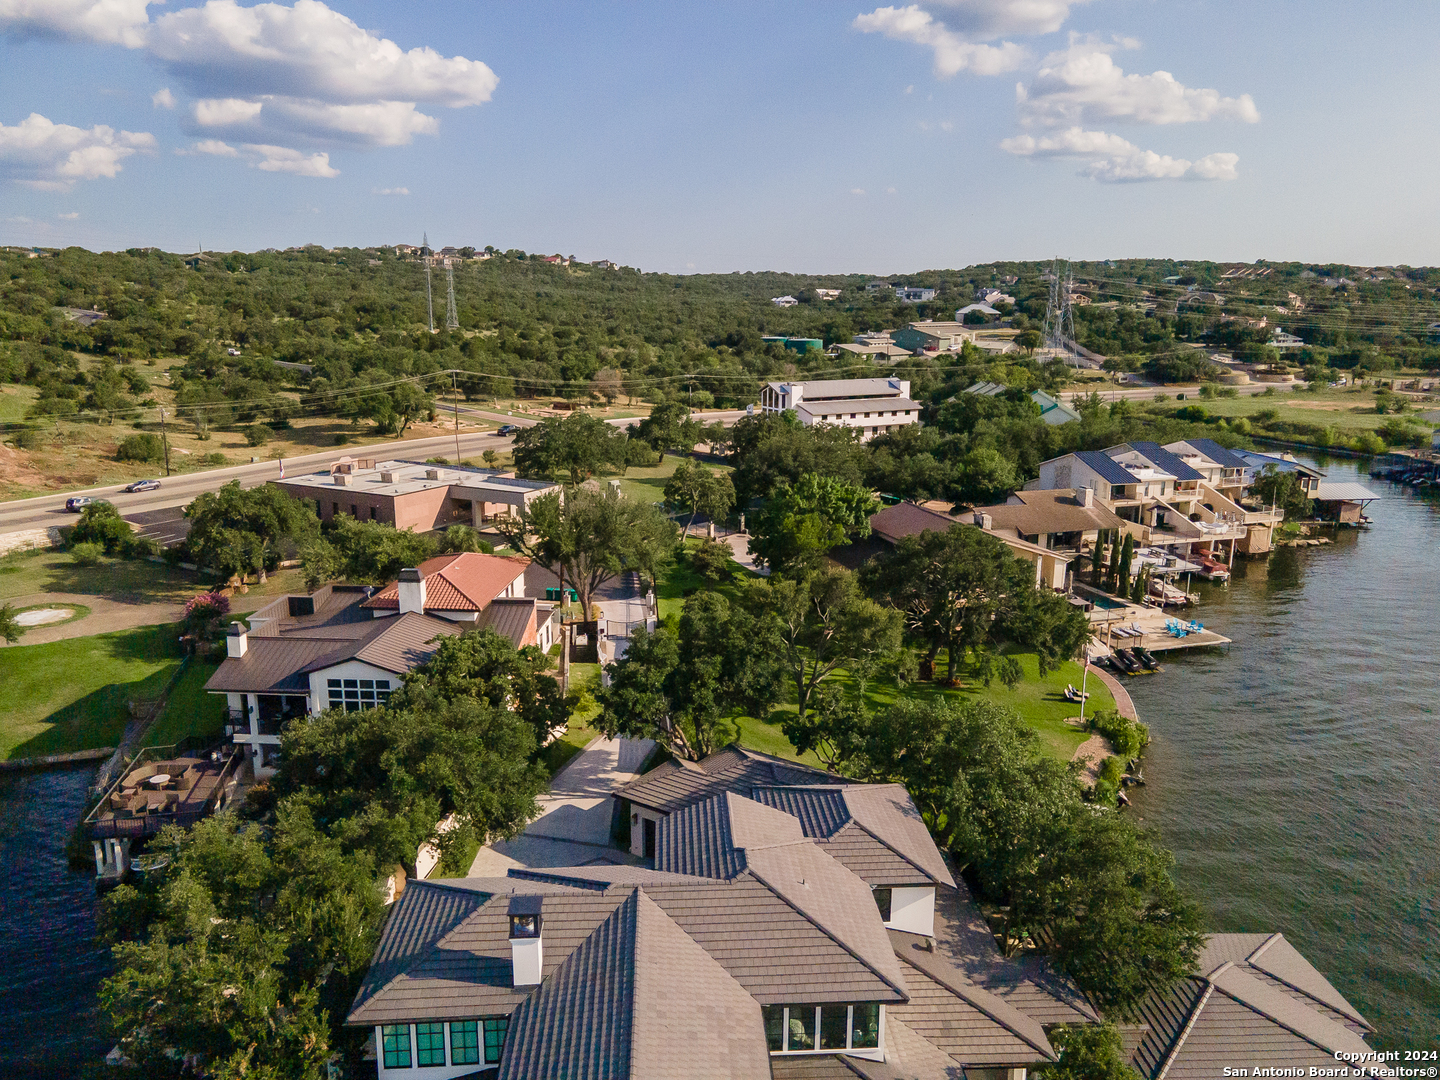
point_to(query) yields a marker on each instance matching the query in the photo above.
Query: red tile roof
(464, 582)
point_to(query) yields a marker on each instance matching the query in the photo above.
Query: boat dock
(1154, 626)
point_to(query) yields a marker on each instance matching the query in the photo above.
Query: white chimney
(527, 957)
(411, 587)
(237, 642)
(1085, 496)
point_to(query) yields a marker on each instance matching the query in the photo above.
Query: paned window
(464, 1042)
(800, 1032)
(495, 1038)
(395, 1045)
(809, 1029)
(352, 695)
(430, 1044)
(865, 1026)
(834, 1026)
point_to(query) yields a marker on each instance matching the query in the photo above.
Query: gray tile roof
(859, 406)
(638, 998)
(965, 1020)
(1226, 459)
(1107, 468)
(1256, 1001)
(1163, 459)
(894, 523)
(887, 842)
(710, 839)
(674, 784)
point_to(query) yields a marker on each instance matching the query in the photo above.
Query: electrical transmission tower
(429, 302)
(452, 317)
(1059, 332)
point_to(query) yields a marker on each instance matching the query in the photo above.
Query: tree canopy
(590, 537)
(576, 447)
(800, 522)
(242, 531)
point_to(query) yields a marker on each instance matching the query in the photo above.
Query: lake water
(50, 963)
(1296, 773)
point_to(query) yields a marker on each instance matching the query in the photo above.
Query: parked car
(508, 429)
(142, 485)
(77, 503)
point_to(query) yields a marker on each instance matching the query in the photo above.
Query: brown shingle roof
(894, 523)
(1051, 511)
(466, 581)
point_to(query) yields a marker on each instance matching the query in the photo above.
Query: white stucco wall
(912, 909)
(351, 669)
(638, 816)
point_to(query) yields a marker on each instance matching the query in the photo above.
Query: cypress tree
(1122, 571)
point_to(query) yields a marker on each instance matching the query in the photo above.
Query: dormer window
(812, 1029)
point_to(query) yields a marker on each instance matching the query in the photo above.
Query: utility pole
(165, 442)
(455, 396)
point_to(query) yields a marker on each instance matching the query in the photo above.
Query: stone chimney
(1085, 496)
(527, 957)
(411, 587)
(237, 641)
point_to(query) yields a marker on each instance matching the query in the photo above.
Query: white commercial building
(874, 406)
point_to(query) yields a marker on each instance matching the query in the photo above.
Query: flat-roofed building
(929, 336)
(415, 495)
(872, 406)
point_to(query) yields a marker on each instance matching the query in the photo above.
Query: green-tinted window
(395, 1045)
(865, 1026)
(774, 1026)
(801, 1029)
(464, 1042)
(834, 1019)
(430, 1044)
(495, 1039)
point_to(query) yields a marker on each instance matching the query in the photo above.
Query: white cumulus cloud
(1114, 159)
(211, 148)
(1083, 84)
(225, 112)
(995, 18)
(113, 22)
(42, 154)
(284, 159)
(163, 98)
(953, 52)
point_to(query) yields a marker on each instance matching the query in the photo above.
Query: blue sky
(816, 137)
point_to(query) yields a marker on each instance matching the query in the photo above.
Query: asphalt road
(177, 491)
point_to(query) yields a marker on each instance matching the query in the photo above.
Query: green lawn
(71, 695)
(15, 400)
(120, 579)
(648, 485)
(189, 710)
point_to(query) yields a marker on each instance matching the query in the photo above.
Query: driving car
(142, 485)
(508, 429)
(77, 503)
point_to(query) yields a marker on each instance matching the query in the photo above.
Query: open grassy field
(15, 400)
(71, 695)
(1348, 410)
(648, 484)
(141, 582)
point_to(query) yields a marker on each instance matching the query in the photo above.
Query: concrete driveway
(573, 828)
